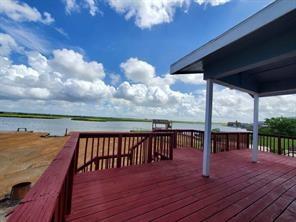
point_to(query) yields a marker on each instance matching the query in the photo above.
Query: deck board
(237, 190)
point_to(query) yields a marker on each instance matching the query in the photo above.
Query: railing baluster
(149, 154)
(227, 142)
(85, 153)
(118, 164)
(103, 153)
(92, 150)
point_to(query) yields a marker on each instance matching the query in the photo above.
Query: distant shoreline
(82, 118)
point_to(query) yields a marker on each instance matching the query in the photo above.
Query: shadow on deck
(172, 190)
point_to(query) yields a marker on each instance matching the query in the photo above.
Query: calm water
(58, 126)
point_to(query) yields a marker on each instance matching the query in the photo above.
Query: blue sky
(112, 58)
(110, 39)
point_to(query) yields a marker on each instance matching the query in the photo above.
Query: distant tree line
(279, 126)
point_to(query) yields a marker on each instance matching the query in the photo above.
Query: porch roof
(257, 56)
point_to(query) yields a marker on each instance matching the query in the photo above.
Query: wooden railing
(282, 145)
(226, 141)
(222, 141)
(50, 198)
(99, 151)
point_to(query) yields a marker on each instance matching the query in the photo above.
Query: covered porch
(258, 56)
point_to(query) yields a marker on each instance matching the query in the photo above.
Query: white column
(208, 127)
(255, 128)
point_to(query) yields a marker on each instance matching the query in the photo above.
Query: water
(58, 126)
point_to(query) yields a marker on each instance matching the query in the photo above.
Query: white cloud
(7, 44)
(20, 12)
(39, 93)
(37, 61)
(81, 90)
(67, 82)
(138, 71)
(92, 6)
(75, 6)
(195, 79)
(26, 37)
(66, 76)
(278, 106)
(115, 78)
(62, 32)
(149, 93)
(148, 13)
(147, 89)
(48, 19)
(71, 5)
(211, 2)
(72, 64)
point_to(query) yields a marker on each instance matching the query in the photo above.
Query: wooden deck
(174, 190)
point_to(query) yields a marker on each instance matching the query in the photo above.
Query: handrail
(50, 198)
(225, 141)
(105, 150)
(279, 135)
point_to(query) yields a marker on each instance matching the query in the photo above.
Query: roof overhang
(256, 56)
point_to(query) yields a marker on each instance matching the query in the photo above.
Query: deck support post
(208, 127)
(255, 129)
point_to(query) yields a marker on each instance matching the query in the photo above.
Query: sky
(112, 58)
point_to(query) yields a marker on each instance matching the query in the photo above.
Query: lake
(58, 126)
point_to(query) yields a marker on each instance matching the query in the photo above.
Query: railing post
(69, 187)
(248, 140)
(118, 164)
(227, 142)
(97, 163)
(202, 139)
(77, 148)
(150, 149)
(172, 145)
(70, 177)
(215, 143)
(237, 141)
(191, 140)
(279, 146)
(175, 138)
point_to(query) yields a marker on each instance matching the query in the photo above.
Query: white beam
(255, 128)
(208, 127)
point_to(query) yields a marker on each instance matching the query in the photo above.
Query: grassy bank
(109, 119)
(81, 118)
(29, 115)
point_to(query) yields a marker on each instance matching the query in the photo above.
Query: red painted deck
(174, 190)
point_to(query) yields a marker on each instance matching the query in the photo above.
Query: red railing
(226, 141)
(282, 145)
(222, 141)
(50, 198)
(114, 150)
